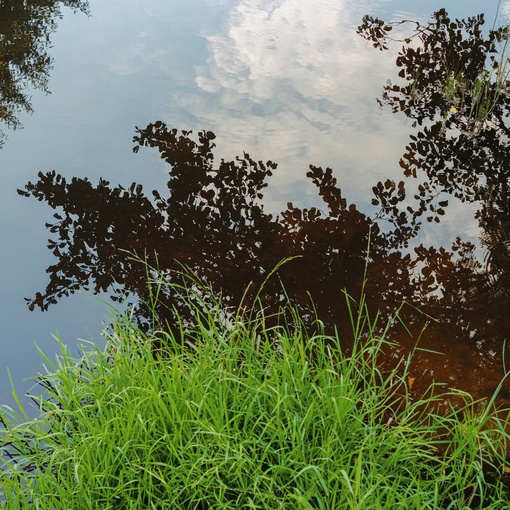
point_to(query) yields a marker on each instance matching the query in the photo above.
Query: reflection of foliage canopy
(212, 221)
(445, 68)
(25, 29)
(456, 86)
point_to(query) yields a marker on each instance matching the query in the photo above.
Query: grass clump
(232, 414)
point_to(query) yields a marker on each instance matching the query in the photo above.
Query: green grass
(242, 416)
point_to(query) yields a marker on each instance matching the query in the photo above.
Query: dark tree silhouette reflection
(213, 221)
(455, 87)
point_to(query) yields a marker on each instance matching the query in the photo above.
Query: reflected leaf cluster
(454, 86)
(25, 62)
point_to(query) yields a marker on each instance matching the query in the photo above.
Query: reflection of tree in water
(25, 29)
(212, 219)
(455, 88)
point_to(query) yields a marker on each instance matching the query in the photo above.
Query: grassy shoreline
(233, 414)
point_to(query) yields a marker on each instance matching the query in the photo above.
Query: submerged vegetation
(232, 413)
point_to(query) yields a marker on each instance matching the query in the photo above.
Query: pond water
(289, 81)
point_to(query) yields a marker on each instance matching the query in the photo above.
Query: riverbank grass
(233, 414)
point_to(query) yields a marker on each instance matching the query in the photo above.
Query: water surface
(289, 81)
